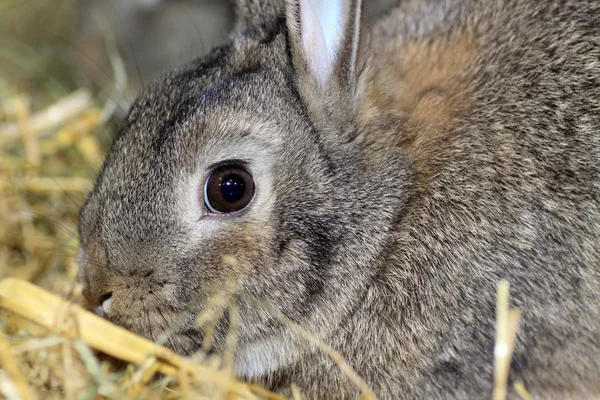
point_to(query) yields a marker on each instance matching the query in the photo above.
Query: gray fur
(381, 224)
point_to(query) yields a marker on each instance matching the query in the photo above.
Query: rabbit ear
(325, 36)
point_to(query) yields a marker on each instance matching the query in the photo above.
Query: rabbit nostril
(149, 273)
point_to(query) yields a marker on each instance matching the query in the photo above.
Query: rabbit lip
(99, 311)
(99, 305)
(104, 307)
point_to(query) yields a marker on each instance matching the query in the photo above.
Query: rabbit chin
(259, 359)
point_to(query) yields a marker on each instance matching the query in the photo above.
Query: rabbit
(373, 186)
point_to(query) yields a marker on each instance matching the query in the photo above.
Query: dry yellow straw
(521, 391)
(63, 110)
(11, 366)
(507, 322)
(48, 185)
(50, 311)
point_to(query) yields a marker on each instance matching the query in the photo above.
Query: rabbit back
(496, 105)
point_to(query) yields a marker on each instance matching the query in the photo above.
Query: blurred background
(69, 69)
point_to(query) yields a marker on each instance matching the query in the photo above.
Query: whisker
(152, 337)
(61, 226)
(170, 328)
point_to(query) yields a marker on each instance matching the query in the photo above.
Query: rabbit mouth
(103, 310)
(99, 305)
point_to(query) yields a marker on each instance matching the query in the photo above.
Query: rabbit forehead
(184, 123)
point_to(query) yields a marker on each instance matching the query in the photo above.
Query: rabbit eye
(228, 189)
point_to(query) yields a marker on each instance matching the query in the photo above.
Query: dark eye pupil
(232, 188)
(228, 189)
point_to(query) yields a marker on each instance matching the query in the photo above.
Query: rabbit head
(254, 152)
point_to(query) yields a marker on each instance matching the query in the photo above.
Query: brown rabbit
(374, 186)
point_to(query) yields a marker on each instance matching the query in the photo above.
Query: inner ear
(317, 48)
(325, 37)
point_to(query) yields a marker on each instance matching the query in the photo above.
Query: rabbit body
(401, 171)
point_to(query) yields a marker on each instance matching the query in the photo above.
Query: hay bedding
(50, 347)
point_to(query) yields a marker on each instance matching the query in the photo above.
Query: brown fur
(427, 88)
